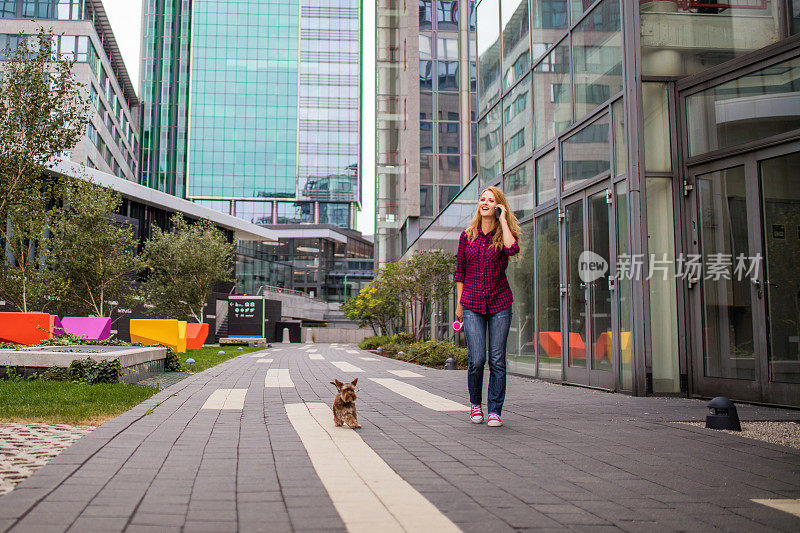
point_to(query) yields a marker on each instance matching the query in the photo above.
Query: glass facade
(328, 102)
(426, 120)
(606, 294)
(165, 95)
(270, 113)
(243, 99)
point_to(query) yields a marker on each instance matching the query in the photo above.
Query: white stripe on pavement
(226, 399)
(315, 357)
(422, 397)
(405, 374)
(344, 366)
(264, 360)
(352, 351)
(368, 358)
(786, 505)
(278, 377)
(366, 492)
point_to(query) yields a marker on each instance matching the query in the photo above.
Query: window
(734, 112)
(425, 15)
(516, 45)
(597, 57)
(447, 15)
(295, 212)
(448, 75)
(546, 177)
(254, 212)
(517, 137)
(335, 214)
(587, 153)
(489, 142)
(551, 90)
(426, 74)
(518, 188)
(488, 41)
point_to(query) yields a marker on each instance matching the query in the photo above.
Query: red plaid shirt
(482, 270)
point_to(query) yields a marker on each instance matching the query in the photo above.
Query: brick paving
(567, 458)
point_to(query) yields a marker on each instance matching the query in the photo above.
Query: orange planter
(26, 328)
(196, 335)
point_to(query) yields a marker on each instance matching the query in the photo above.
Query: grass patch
(64, 402)
(207, 356)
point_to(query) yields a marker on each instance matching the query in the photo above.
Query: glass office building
(426, 115)
(250, 107)
(658, 143)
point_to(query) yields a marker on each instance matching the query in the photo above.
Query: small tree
(374, 306)
(184, 265)
(429, 275)
(96, 256)
(27, 280)
(43, 114)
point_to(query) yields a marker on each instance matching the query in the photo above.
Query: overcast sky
(125, 17)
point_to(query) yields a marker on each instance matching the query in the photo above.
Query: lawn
(63, 402)
(207, 356)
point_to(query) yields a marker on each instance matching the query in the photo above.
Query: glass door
(745, 301)
(780, 288)
(590, 305)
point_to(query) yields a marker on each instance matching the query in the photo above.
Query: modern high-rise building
(651, 151)
(425, 116)
(83, 33)
(251, 107)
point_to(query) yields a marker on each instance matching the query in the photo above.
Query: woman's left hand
(502, 214)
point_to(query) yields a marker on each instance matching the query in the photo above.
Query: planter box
(26, 328)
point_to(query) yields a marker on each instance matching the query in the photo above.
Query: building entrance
(744, 224)
(591, 334)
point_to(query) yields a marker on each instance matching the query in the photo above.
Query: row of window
(337, 214)
(42, 9)
(567, 84)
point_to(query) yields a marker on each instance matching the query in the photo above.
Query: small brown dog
(344, 405)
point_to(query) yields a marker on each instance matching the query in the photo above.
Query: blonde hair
(475, 223)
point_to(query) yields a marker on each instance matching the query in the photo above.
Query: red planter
(26, 328)
(196, 335)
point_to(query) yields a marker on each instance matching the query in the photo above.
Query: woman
(484, 298)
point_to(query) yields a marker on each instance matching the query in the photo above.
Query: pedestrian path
(250, 445)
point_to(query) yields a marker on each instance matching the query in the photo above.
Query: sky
(125, 17)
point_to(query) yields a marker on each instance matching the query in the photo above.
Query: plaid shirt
(482, 270)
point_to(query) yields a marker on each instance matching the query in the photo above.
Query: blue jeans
(475, 330)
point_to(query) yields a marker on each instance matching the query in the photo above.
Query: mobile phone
(497, 212)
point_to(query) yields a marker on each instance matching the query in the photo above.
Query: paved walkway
(250, 445)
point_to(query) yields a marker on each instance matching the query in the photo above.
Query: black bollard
(722, 415)
(450, 364)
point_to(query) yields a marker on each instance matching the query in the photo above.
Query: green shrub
(436, 353)
(90, 371)
(372, 343)
(392, 348)
(404, 338)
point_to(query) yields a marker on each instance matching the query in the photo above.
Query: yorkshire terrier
(344, 405)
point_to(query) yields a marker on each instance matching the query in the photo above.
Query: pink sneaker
(494, 420)
(476, 414)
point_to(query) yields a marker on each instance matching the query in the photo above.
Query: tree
(43, 114)
(184, 266)
(408, 287)
(96, 256)
(429, 278)
(374, 306)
